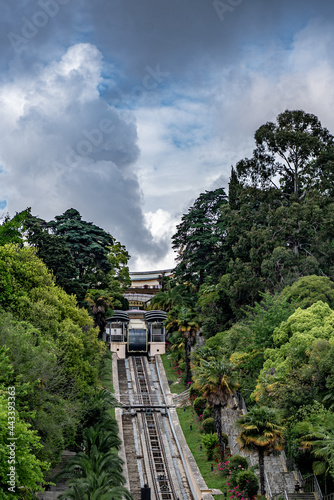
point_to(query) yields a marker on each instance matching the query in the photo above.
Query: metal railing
(310, 485)
(268, 489)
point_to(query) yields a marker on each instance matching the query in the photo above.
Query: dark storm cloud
(177, 34)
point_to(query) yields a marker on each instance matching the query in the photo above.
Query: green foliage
(317, 435)
(300, 369)
(11, 229)
(288, 149)
(84, 257)
(198, 237)
(28, 468)
(96, 472)
(199, 405)
(248, 483)
(210, 442)
(260, 430)
(237, 460)
(310, 289)
(207, 413)
(208, 425)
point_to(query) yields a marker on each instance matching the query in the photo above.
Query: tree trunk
(218, 427)
(261, 467)
(187, 349)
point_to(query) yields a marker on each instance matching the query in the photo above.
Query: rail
(160, 472)
(268, 485)
(176, 439)
(310, 485)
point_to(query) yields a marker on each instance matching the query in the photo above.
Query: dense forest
(255, 278)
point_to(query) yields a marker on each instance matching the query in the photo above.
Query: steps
(61, 486)
(301, 496)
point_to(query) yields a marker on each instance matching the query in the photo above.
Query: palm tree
(260, 431)
(171, 297)
(216, 380)
(102, 437)
(91, 475)
(188, 325)
(204, 352)
(318, 437)
(99, 304)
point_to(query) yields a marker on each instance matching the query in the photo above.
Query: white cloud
(63, 146)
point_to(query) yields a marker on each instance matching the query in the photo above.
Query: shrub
(237, 464)
(207, 413)
(248, 482)
(210, 442)
(237, 460)
(199, 405)
(208, 425)
(194, 393)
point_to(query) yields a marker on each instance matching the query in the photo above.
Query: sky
(127, 110)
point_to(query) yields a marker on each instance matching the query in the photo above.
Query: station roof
(149, 275)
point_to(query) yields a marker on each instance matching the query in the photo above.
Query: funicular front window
(137, 339)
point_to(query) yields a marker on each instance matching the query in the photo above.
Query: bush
(236, 465)
(199, 405)
(237, 460)
(248, 483)
(194, 393)
(210, 442)
(208, 425)
(207, 413)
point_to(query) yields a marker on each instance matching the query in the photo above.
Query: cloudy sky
(128, 109)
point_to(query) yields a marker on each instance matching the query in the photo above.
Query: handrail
(268, 485)
(310, 483)
(286, 495)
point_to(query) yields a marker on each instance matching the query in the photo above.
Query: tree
(198, 238)
(176, 296)
(216, 380)
(100, 304)
(55, 253)
(11, 230)
(288, 150)
(260, 431)
(187, 325)
(89, 246)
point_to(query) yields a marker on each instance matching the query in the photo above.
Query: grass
(176, 386)
(193, 438)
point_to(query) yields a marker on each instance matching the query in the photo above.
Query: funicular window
(137, 339)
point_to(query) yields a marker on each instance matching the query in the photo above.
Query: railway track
(151, 453)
